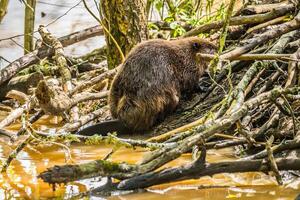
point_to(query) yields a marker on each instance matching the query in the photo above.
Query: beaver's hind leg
(142, 114)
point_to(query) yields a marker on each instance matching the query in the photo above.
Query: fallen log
(21, 83)
(197, 169)
(55, 101)
(33, 57)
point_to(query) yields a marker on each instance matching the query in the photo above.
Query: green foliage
(177, 29)
(159, 4)
(183, 13)
(95, 139)
(45, 67)
(152, 26)
(219, 14)
(226, 25)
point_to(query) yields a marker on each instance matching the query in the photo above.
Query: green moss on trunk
(3, 8)
(127, 23)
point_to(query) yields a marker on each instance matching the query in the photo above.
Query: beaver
(151, 81)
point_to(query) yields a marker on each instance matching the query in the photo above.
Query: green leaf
(152, 26)
(173, 25)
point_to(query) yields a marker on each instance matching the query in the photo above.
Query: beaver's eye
(196, 46)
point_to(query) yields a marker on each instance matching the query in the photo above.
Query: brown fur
(152, 79)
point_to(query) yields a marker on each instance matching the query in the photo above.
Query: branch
(285, 57)
(194, 171)
(13, 68)
(268, 35)
(55, 101)
(97, 79)
(250, 19)
(69, 173)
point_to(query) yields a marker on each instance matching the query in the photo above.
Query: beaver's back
(146, 87)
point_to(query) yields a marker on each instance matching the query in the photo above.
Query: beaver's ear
(209, 48)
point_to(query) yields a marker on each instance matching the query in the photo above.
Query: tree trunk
(126, 20)
(29, 25)
(3, 8)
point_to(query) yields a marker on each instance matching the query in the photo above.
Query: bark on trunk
(127, 23)
(3, 9)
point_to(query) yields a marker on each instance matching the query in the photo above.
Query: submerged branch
(196, 170)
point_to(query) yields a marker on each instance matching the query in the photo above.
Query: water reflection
(246, 192)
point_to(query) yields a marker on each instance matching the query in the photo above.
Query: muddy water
(21, 180)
